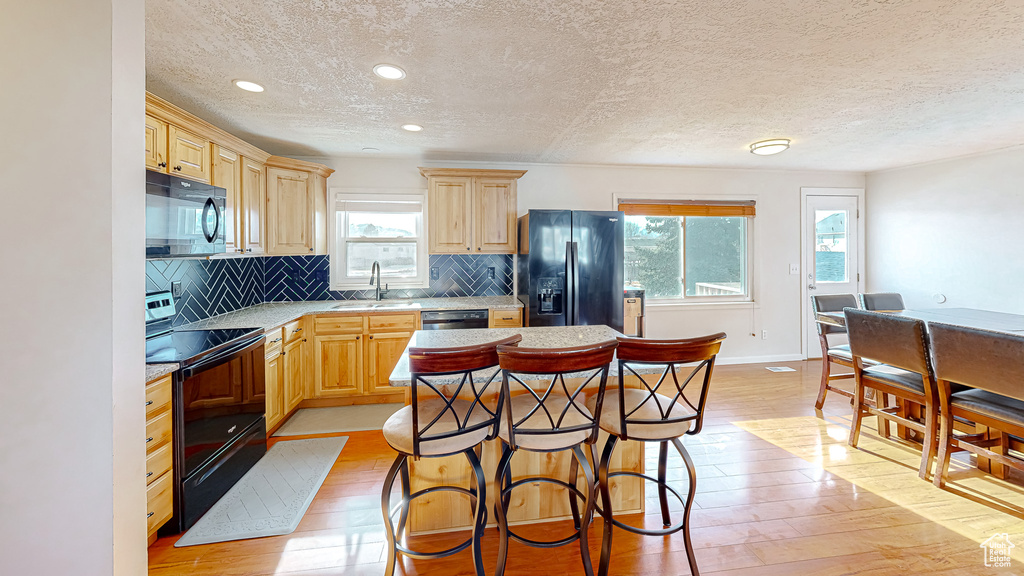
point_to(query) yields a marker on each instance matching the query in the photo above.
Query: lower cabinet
(294, 374)
(275, 392)
(338, 359)
(355, 354)
(159, 455)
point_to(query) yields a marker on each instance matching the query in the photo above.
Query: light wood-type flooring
(779, 493)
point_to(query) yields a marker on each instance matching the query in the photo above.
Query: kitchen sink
(389, 305)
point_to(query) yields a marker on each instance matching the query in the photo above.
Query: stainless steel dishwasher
(454, 319)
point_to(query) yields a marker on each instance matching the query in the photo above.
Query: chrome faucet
(375, 270)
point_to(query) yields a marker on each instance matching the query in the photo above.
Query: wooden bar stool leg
(385, 507)
(666, 518)
(692, 471)
(606, 505)
(588, 513)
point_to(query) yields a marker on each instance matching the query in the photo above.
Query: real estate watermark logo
(997, 550)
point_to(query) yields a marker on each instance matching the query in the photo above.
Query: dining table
(968, 318)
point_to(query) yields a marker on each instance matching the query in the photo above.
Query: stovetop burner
(187, 346)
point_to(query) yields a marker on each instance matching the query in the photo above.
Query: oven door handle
(224, 356)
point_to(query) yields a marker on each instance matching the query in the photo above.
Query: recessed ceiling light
(767, 147)
(371, 149)
(388, 71)
(412, 127)
(249, 86)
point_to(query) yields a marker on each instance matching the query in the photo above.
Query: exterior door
(831, 257)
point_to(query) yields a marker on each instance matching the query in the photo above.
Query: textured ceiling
(856, 84)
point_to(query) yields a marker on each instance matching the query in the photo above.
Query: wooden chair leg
(931, 417)
(826, 368)
(945, 449)
(999, 470)
(883, 424)
(858, 413)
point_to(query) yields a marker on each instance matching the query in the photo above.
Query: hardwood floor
(779, 493)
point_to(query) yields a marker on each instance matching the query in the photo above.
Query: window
(383, 228)
(689, 250)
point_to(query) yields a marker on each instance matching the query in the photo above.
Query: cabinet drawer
(506, 318)
(338, 324)
(158, 462)
(159, 502)
(393, 323)
(158, 396)
(158, 430)
(273, 342)
(293, 331)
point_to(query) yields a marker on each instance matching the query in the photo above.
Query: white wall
(71, 293)
(777, 232)
(953, 228)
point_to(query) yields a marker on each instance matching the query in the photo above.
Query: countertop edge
(157, 371)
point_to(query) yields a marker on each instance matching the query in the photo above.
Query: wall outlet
(435, 274)
(794, 268)
(490, 272)
(764, 334)
(176, 289)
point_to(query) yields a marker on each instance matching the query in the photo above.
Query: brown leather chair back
(992, 361)
(882, 301)
(690, 387)
(832, 303)
(889, 339)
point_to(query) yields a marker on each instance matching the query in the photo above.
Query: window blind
(744, 208)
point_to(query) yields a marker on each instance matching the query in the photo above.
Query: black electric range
(218, 403)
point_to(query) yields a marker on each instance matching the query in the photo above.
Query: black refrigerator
(571, 267)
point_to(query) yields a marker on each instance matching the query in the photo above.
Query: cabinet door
(188, 155)
(290, 209)
(156, 144)
(494, 225)
(384, 351)
(449, 204)
(338, 361)
(227, 173)
(275, 396)
(254, 194)
(294, 374)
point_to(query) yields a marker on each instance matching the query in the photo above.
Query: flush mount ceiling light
(412, 127)
(371, 150)
(768, 147)
(248, 86)
(388, 71)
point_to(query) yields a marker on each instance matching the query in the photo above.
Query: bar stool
(549, 418)
(646, 415)
(439, 425)
(832, 354)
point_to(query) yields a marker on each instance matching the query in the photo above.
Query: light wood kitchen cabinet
(356, 354)
(471, 211)
(227, 174)
(338, 360)
(254, 195)
(384, 351)
(188, 155)
(295, 365)
(296, 207)
(156, 144)
(275, 392)
(501, 318)
(159, 455)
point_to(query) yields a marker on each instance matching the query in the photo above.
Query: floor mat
(337, 419)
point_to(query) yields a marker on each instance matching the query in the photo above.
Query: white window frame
(338, 244)
(746, 299)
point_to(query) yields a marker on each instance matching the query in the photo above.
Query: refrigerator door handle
(568, 284)
(575, 284)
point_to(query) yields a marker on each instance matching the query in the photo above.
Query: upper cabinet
(275, 205)
(296, 207)
(471, 211)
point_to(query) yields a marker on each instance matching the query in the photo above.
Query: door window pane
(382, 225)
(716, 250)
(654, 255)
(397, 259)
(830, 254)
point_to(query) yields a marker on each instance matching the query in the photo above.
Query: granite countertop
(537, 337)
(273, 314)
(154, 371)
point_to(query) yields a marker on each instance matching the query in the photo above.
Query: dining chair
(542, 410)
(673, 378)
(832, 354)
(881, 301)
(991, 366)
(899, 347)
(436, 423)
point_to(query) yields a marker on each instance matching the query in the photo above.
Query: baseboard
(760, 359)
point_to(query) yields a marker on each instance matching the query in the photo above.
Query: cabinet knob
(310, 249)
(149, 402)
(148, 474)
(148, 440)
(177, 168)
(248, 249)
(468, 248)
(150, 515)
(478, 248)
(357, 337)
(162, 165)
(371, 337)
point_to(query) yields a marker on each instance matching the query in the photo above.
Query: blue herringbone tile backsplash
(211, 287)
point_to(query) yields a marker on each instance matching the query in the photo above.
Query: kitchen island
(537, 502)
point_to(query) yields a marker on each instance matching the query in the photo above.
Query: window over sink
(689, 251)
(378, 227)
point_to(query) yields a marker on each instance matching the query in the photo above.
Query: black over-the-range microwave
(183, 217)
